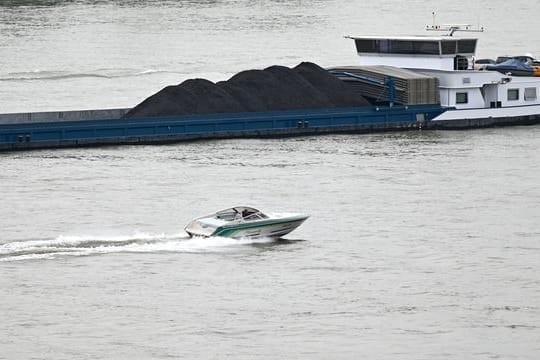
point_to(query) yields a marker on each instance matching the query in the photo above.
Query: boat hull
(267, 228)
(16, 134)
(274, 228)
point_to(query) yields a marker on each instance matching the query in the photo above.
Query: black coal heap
(306, 86)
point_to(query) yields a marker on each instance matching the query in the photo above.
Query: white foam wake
(65, 245)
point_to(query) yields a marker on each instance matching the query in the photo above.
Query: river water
(420, 245)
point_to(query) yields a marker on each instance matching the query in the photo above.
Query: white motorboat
(244, 222)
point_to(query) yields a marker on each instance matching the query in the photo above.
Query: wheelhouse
(428, 52)
(417, 46)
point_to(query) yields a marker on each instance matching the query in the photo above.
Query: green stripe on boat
(228, 230)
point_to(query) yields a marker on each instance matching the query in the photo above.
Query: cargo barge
(153, 130)
(413, 82)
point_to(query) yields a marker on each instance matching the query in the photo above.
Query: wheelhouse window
(366, 45)
(426, 47)
(466, 46)
(530, 94)
(416, 46)
(448, 47)
(392, 46)
(513, 94)
(462, 98)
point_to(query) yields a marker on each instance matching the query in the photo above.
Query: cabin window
(448, 47)
(426, 47)
(462, 98)
(390, 46)
(366, 46)
(400, 47)
(513, 94)
(530, 93)
(466, 46)
(383, 46)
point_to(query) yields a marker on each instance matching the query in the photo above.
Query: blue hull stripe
(161, 129)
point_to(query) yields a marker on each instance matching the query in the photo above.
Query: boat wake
(63, 246)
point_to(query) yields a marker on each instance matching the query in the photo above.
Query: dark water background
(420, 245)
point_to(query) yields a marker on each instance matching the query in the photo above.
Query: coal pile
(306, 86)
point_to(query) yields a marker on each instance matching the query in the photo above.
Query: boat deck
(33, 135)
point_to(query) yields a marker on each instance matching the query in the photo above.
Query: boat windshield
(255, 216)
(240, 213)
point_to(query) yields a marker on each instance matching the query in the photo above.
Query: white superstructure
(473, 89)
(451, 60)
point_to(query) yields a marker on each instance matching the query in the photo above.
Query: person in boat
(245, 213)
(238, 215)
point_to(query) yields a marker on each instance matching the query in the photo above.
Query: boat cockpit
(240, 213)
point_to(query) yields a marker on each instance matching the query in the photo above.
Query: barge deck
(56, 134)
(27, 131)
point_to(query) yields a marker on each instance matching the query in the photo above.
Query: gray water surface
(420, 245)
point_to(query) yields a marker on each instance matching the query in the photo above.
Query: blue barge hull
(54, 134)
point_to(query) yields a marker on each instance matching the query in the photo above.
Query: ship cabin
(451, 61)
(425, 52)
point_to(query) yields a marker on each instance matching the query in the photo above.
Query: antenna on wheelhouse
(450, 29)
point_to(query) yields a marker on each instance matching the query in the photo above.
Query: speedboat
(244, 222)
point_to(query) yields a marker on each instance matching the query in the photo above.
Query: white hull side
(267, 231)
(483, 113)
